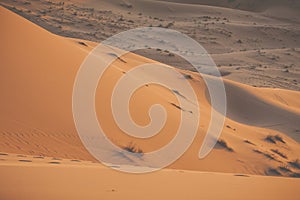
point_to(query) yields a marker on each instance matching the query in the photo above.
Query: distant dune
(260, 49)
(249, 5)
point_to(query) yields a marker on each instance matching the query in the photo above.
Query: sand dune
(250, 5)
(38, 70)
(38, 118)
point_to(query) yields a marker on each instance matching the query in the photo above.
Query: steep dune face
(261, 108)
(37, 75)
(38, 71)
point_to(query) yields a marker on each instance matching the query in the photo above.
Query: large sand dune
(36, 109)
(38, 70)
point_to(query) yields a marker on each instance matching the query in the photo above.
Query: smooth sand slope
(36, 108)
(47, 178)
(38, 69)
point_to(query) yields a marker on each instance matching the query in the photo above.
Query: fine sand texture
(45, 178)
(43, 157)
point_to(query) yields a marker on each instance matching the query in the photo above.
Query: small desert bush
(279, 153)
(295, 175)
(285, 168)
(187, 76)
(274, 138)
(249, 142)
(273, 172)
(295, 163)
(267, 155)
(223, 144)
(133, 149)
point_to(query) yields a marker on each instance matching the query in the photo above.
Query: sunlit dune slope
(38, 71)
(45, 178)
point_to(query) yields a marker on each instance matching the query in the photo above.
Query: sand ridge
(39, 142)
(33, 128)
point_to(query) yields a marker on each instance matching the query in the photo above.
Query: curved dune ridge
(36, 107)
(260, 137)
(250, 5)
(287, 8)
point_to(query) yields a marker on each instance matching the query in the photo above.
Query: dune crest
(249, 5)
(36, 108)
(44, 152)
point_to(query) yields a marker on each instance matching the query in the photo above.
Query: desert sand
(49, 178)
(258, 45)
(43, 157)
